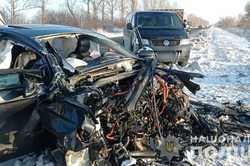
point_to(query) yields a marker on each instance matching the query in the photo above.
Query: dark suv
(164, 31)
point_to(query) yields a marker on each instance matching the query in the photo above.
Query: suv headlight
(185, 42)
(145, 42)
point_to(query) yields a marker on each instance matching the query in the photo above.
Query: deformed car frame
(47, 103)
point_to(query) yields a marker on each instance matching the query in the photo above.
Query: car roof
(37, 30)
(28, 33)
(153, 11)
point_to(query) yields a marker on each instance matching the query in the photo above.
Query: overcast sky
(210, 10)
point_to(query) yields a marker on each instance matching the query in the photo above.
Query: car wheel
(183, 63)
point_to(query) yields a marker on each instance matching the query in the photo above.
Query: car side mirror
(129, 26)
(146, 52)
(184, 25)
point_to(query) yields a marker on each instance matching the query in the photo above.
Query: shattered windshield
(83, 50)
(111, 44)
(159, 19)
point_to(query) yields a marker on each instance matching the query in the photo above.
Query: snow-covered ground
(244, 32)
(224, 59)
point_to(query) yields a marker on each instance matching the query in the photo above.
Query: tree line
(242, 21)
(92, 14)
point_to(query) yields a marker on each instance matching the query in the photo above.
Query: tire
(183, 63)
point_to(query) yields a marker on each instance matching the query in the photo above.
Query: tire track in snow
(224, 58)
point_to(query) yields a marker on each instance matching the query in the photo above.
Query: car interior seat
(64, 46)
(24, 59)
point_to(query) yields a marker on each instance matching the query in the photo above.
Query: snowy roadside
(240, 32)
(224, 59)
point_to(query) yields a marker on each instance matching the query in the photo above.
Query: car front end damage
(114, 116)
(105, 113)
(124, 110)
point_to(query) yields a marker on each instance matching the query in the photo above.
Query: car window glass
(64, 46)
(158, 19)
(9, 81)
(5, 54)
(100, 47)
(16, 56)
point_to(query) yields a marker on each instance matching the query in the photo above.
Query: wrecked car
(88, 101)
(108, 105)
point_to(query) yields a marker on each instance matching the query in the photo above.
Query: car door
(19, 91)
(15, 92)
(17, 105)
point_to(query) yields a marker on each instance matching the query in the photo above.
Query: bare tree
(103, 5)
(123, 9)
(196, 21)
(122, 5)
(111, 4)
(88, 7)
(247, 8)
(134, 4)
(95, 7)
(244, 21)
(157, 4)
(227, 22)
(60, 17)
(71, 4)
(41, 4)
(43, 10)
(96, 4)
(4, 15)
(16, 7)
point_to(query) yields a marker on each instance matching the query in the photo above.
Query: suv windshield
(159, 20)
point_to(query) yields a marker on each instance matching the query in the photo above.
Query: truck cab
(163, 31)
